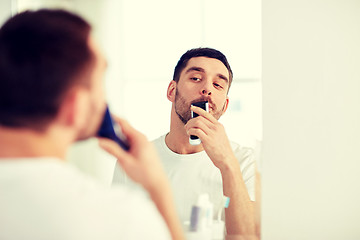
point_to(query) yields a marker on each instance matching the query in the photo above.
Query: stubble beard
(182, 108)
(95, 117)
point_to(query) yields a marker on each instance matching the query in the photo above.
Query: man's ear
(171, 91)
(74, 107)
(226, 105)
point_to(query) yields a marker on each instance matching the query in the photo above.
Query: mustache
(202, 99)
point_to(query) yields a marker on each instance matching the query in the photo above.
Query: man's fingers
(114, 149)
(125, 126)
(197, 132)
(203, 113)
(133, 135)
(198, 124)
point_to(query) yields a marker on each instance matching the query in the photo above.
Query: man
(51, 95)
(217, 166)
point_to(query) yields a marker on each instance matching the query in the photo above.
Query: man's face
(203, 79)
(97, 104)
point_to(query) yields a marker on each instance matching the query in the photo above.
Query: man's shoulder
(159, 139)
(243, 153)
(236, 147)
(71, 193)
(159, 144)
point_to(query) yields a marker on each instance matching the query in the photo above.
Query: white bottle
(201, 216)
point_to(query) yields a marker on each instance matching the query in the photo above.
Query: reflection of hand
(141, 162)
(213, 137)
(239, 216)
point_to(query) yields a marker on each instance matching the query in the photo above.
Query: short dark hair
(201, 52)
(42, 55)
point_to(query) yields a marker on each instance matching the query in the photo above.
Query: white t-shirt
(193, 174)
(46, 198)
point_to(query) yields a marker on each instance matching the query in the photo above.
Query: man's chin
(82, 138)
(184, 118)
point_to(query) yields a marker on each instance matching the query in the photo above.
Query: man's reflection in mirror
(216, 166)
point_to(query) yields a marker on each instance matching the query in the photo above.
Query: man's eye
(195, 79)
(217, 85)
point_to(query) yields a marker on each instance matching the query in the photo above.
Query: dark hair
(42, 55)
(201, 52)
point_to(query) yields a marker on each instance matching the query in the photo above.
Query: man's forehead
(208, 65)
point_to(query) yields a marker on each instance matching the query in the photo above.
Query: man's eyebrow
(197, 69)
(223, 77)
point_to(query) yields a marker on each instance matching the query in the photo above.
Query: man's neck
(20, 143)
(177, 139)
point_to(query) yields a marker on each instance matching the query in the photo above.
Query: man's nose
(206, 92)
(206, 89)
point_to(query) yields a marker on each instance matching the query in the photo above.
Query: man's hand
(141, 163)
(239, 216)
(213, 137)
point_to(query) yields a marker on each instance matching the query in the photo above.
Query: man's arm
(143, 166)
(240, 215)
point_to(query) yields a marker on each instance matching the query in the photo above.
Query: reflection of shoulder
(243, 153)
(159, 140)
(159, 144)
